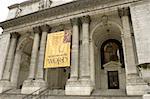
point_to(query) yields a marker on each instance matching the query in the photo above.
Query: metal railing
(43, 94)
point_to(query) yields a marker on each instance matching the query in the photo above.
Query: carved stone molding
(37, 30)
(85, 19)
(75, 21)
(45, 28)
(124, 11)
(15, 35)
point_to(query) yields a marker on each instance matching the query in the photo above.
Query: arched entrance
(108, 59)
(25, 48)
(56, 78)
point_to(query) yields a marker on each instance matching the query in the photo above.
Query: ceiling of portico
(103, 33)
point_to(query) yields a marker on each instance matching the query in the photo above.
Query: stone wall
(140, 13)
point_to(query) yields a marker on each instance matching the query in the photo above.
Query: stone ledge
(6, 85)
(79, 87)
(146, 96)
(30, 86)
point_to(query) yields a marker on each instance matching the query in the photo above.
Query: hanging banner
(58, 50)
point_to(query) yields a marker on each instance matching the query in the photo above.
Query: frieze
(59, 10)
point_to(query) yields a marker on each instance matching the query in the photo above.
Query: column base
(136, 85)
(146, 96)
(6, 85)
(78, 87)
(30, 86)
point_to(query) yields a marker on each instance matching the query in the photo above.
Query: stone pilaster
(75, 49)
(40, 71)
(5, 83)
(73, 82)
(92, 64)
(10, 57)
(85, 58)
(128, 43)
(132, 79)
(34, 54)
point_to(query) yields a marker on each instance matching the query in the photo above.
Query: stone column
(10, 57)
(30, 85)
(82, 86)
(128, 43)
(75, 49)
(16, 67)
(34, 54)
(85, 58)
(40, 71)
(134, 84)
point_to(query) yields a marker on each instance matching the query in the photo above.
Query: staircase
(60, 94)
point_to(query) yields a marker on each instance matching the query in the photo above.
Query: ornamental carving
(18, 11)
(43, 4)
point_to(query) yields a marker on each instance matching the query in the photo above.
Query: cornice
(58, 10)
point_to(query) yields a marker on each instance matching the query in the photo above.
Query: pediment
(112, 64)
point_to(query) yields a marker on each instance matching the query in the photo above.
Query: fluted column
(16, 67)
(130, 60)
(10, 56)
(34, 54)
(85, 66)
(40, 71)
(75, 49)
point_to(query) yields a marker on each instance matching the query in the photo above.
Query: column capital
(37, 29)
(15, 35)
(45, 28)
(85, 19)
(75, 21)
(124, 11)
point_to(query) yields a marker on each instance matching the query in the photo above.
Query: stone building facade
(109, 50)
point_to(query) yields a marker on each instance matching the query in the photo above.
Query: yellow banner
(58, 50)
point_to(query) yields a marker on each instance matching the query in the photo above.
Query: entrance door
(113, 81)
(57, 77)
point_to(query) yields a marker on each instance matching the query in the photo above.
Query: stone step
(60, 94)
(11, 96)
(106, 92)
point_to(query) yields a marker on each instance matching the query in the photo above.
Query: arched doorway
(25, 46)
(112, 61)
(108, 59)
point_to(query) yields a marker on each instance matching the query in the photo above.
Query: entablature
(68, 10)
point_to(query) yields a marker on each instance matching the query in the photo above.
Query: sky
(4, 10)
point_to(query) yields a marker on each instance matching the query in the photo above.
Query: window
(111, 50)
(113, 81)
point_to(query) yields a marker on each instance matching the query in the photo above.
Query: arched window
(111, 50)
